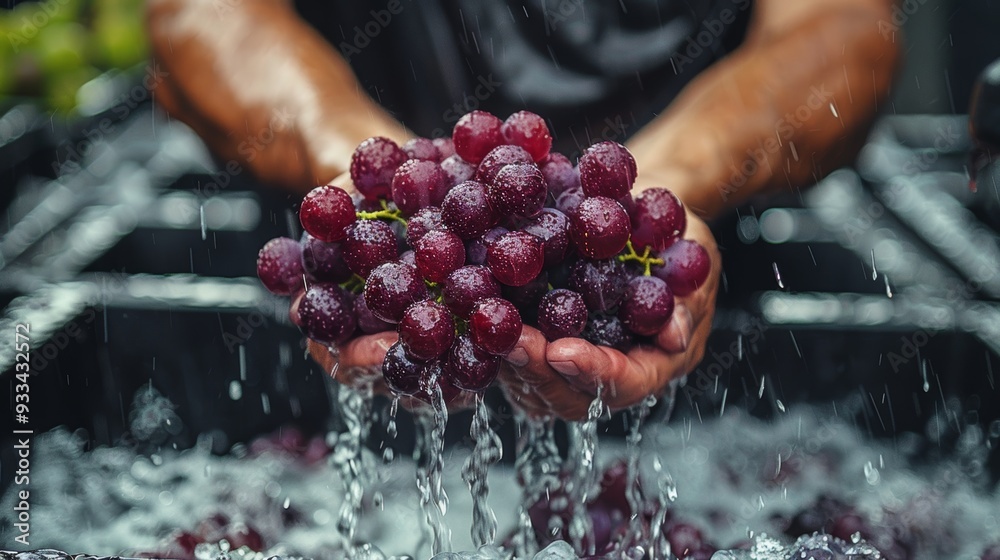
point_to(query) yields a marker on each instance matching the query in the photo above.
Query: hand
(560, 378)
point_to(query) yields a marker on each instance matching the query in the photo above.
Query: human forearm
(793, 103)
(263, 89)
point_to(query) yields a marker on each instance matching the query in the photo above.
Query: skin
(791, 104)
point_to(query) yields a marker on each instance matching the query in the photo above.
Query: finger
(676, 336)
(534, 377)
(356, 360)
(626, 378)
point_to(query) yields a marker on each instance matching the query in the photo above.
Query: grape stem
(644, 259)
(354, 284)
(384, 213)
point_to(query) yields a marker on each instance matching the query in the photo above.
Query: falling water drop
(888, 289)
(874, 270)
(243, 363)
(777, 275)
(235, 390)
(923, 373)
(204, 228)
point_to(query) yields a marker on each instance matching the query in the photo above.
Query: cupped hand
(561, 378)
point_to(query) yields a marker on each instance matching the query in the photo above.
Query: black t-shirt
(595, 69)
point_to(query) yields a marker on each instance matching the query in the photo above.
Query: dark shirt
(595, 69)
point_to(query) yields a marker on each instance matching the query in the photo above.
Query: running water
(583, 474)
(538, 466)
(487, 451)
(637, 416)
(429, 456)
(350, 460)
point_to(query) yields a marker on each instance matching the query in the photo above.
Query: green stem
(383, 214)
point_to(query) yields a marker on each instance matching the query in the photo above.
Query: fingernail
(518, 357)
(567, 368)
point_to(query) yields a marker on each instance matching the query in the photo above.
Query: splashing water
(583, 473)
(429, 455)
(538, 466)
(487, 451)
(637, 416)
(349, 458)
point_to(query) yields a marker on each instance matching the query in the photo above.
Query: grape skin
(515, 258)
(279, 266)
(561, 314)
(600, 228)
(646, 306)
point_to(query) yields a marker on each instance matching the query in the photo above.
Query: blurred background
(131, 252)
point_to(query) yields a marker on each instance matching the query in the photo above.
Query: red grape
(607, 169)
(391, 288)
(519, 190)
(470, 368)
(466, 210)
(368, 322)
(475, 134)
(515, 258)
(552, 227)
(559, 173)
(326, 213)
(495, 325)
(528, 131)
(438, 254)
(646, 306)
(425, 220)
(685, 266)
(426, 330)
(457, 169)
(445, 147)
(561, 314)
(327, 313)
(423, 149)
(279, 266)
(323, 262)
(401, 372)
(373, 164)
(475, 250)
(466, 286)
(600, 228)
(418, 184)
(608, 330)
(569, 201)
(499, 157)
(601, 283)
(369, 243)
(658, 219)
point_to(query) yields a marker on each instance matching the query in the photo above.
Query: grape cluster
(454, 242)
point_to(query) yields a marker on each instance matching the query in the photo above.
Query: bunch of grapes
(453, 242)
